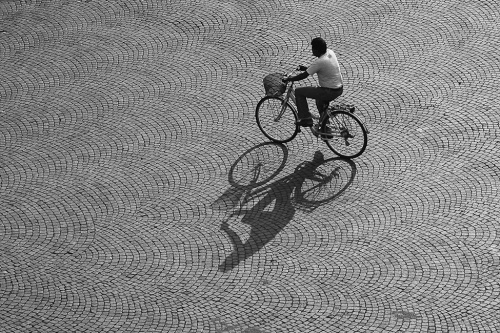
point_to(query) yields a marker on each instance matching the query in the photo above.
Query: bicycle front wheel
(276, 119)
(347, 136)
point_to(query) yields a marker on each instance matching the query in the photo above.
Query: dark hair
(319, 44)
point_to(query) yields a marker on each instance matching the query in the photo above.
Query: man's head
(318, 45)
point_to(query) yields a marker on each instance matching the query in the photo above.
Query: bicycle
(343, 132)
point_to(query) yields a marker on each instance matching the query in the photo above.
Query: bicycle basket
(273, 84)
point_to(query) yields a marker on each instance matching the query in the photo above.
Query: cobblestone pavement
(138, 195)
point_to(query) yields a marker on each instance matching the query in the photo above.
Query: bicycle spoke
(348, 136)
(276, 119)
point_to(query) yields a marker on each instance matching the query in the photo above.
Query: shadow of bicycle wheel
(256, 167)
(323, 181)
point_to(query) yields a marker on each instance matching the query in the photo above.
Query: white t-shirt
(328, 70)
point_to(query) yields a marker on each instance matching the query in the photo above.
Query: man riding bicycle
(330, 82)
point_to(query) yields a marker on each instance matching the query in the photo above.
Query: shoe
(315, 130)
(305, 122)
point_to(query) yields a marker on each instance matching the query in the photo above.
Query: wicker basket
(273, 84)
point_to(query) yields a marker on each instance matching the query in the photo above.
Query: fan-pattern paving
(138, 195)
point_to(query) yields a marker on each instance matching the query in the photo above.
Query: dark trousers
(322, 95)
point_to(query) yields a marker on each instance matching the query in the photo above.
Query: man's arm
(298, 77)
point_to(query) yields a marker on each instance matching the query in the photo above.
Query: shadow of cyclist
(267, 210)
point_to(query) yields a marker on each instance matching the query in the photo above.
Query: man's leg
(301, 95)
(322, 105)
(327, 96)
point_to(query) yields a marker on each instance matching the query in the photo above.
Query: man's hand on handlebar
(298, 77)
(289, 77)
(286, 78)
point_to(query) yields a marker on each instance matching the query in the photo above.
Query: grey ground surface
(130, 200)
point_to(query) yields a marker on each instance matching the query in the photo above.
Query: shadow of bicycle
(268, 207)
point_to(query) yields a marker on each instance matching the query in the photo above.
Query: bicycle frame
(289, 95)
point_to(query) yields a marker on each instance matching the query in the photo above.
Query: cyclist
(330, 82)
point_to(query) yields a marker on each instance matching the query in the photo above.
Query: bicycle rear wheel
(348, 135)
(276, 120)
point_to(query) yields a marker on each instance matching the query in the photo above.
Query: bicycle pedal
(315, 130)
